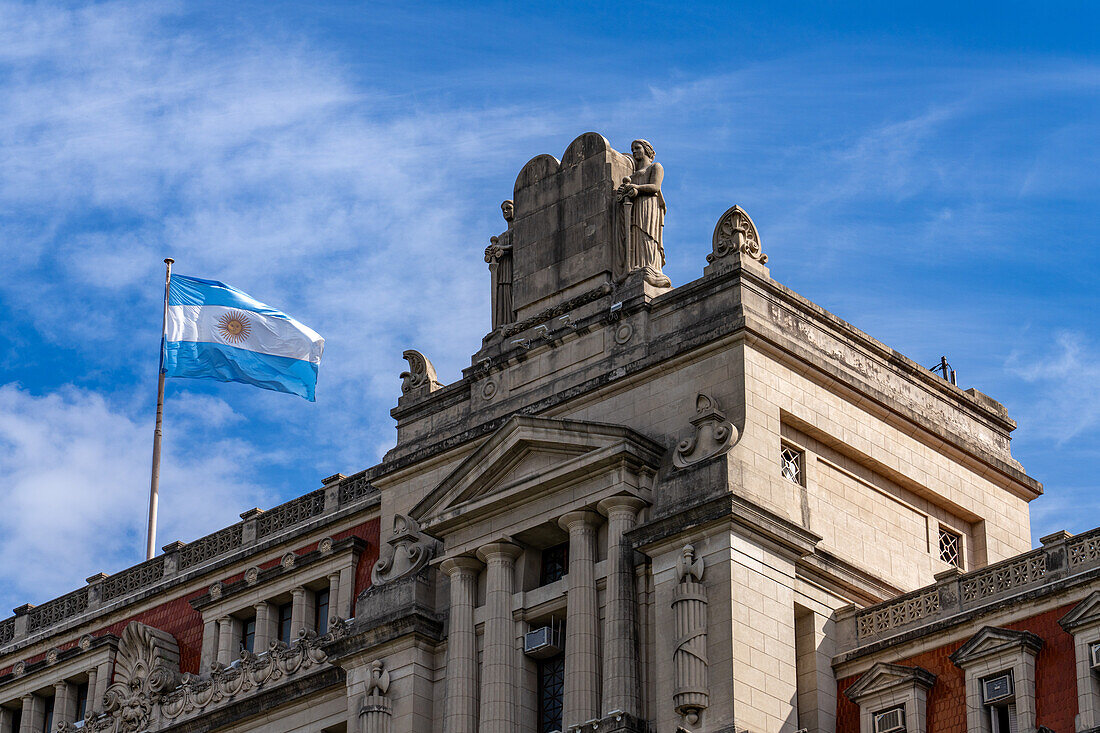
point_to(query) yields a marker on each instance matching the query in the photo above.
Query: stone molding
(407, 550)
(712, 434)
(993, 641)
(884, 677)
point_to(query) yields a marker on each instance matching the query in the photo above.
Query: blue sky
(925, 171)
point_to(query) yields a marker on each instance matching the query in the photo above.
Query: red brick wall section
(1055, 683)
(178, 618)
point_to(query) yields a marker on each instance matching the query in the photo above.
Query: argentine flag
(214, 331)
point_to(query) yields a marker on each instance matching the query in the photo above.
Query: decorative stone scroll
(148, 664)
(375, 714)
(712, 434)
(406, 552)
(421, 374)
(689, 606)
(736, 233)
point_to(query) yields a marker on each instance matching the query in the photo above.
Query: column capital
(456, 565)
(582, 517)
(298, 591)
(334, 576)
(504, 548)
(225, 620)
(623, 503)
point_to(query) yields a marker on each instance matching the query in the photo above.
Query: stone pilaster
(499, 665)
(343, 607)
(265, 631)
(333, 599)
(93, 702)
(297, 612)
(582, 634)
(461, 705)
(102, 681)
(620, 644)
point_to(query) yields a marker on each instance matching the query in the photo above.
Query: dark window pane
(551, 692)
(322, 611)
(248, 640)
(49, 714)
(555, 563)
(81, 700)
(284, 623)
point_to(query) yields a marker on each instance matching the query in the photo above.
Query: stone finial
(421, 374)
(712, 434)
(407, 551)
(736, 240)
(379, 678)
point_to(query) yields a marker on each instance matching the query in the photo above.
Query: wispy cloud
(1066, 377)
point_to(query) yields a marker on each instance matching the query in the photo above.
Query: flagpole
(154, 480)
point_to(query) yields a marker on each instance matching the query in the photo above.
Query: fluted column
(499, 670)
(264, 634)
(461, 704)
(225, 640)
(620, 644)
(582, 634)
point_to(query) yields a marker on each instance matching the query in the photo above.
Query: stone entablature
(106, 594)
(1062, 561)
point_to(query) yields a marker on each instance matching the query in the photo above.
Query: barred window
(950, 547)
(551, 693)
(555, 563)
(790, 461)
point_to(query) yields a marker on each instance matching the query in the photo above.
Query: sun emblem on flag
(234, 327)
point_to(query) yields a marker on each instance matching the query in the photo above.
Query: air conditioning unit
(890, 721)
(1094, 656)
(997, 688)
(543, 642)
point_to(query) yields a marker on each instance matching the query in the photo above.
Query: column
(582, 618)
(264, 633)
(64, 703)
(499, 668)
(225, 641)
(34, 714)
(461, 705)
(7, 719)
(620, 647)
(93, 702)
(297, 612)
(102, 681)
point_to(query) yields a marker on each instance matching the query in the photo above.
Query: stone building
(714, 507)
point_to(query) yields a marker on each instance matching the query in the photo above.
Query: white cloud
(1066, 377)
(75, 486)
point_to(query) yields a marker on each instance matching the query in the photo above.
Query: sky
(926, 171)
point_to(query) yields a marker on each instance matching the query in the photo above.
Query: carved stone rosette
(735, 232)
(375, 714)
(712, 434)
(689, 606)
(421, 374)
(407, 551)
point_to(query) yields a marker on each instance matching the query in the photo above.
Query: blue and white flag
(214, 331)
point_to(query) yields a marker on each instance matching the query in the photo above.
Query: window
(284, 622)
(320, 606)
(551, 691)
(999, 698)
(48, 704)
(555, 563)
(950, 547)
(248, 635)
(790, 461)
(890, 721)
(81, 700)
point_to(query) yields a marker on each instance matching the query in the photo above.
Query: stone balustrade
(1060, 557)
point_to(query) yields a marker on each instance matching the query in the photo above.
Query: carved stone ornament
(712, 434)
(85, 642)
(421, 374)
(252, 575)
(51, 655)
(375, 713)
(689, 609)
(215, 591)
(288, 560)
(407, 551)
(147, 665)
(736, 233)
(19, 668)
(325, 546)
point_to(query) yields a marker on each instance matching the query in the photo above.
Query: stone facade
(641, 508)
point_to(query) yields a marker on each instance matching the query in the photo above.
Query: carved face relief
(508, 209)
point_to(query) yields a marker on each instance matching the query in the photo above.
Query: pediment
(1084, 613)
(534, 455)
(993, 640)
(884, 677)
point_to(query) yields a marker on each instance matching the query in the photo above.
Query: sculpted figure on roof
(499, 256)
(642, 217)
